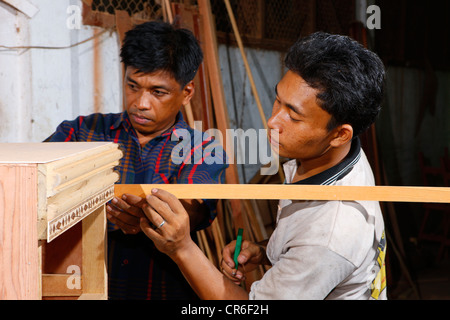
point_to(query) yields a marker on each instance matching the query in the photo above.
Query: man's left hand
(126, 213)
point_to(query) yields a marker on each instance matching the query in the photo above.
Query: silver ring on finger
(161, 224)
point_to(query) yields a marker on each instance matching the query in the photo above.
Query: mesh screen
(259, 21)
(284, 20)
(142, 9)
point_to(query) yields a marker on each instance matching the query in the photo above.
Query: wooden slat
(94, 260)
(293, 192)
(213, 65)
(93, 296)
(19, 269)
(218, 95)
(24, 6)
(55, 285)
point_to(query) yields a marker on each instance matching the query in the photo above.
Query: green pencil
(237, 249)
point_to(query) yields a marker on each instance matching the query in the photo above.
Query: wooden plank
(94, 274)
(72, 183)
(184, 18)
(218, 95)
(19, 258)
(293, 192)
(187, 107)
(62, 222)
(213, 65)
(55, 285)
(203, 78)
(24, 6)
(123, 24)
(92, 296)
(37, 152)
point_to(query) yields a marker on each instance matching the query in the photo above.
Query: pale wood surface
(293, 192)
(45, 152)
(55, 285)
(19, 256)
(92, 296)
(94, 258)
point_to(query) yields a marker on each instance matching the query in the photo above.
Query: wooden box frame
(52, 217)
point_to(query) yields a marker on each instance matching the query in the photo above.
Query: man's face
(302, 123)
(153, 100)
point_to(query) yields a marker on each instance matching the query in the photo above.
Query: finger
(228, 265)
(124, 217)
(167, 197)
(113, 217)
(228, 254)
(134, 200)
(155, 205)
(153, 216)
(125, 206)
(149, 231)
(231, 273)
(227, 270)
(248, 250)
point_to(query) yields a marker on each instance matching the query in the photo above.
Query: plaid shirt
(136, 269)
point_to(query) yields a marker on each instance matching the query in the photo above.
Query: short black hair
(157, 45)
(349, 77)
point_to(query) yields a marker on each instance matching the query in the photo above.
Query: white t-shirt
(327, 249)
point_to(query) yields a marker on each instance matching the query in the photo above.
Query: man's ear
(343, 134)
(188, 91)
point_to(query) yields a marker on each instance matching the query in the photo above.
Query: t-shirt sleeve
(302, 273)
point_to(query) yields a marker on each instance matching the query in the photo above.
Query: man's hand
(251, 256)
(126, 213)
(166, 222)
(167, 225)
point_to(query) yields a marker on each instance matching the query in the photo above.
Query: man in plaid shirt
(161, 63)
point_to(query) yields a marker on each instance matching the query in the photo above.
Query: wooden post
(218, 95)
(95, 278)
(19, 256)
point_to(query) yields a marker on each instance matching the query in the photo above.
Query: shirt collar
(179, 124)
(332, 174)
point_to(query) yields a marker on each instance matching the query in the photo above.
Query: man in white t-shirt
(326, 249)
(330, 94)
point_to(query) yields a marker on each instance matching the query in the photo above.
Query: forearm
(205, 279)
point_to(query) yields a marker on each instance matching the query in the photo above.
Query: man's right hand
(251, 256)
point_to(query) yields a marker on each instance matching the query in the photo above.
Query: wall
(404, 130)
(267, 69)
(39, 88)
